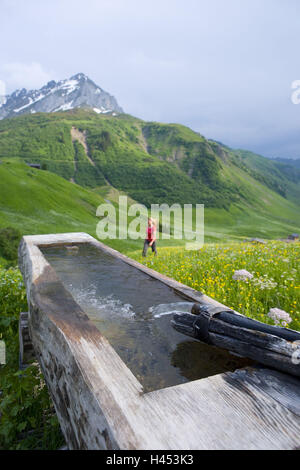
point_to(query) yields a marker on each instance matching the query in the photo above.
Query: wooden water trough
(101, 405)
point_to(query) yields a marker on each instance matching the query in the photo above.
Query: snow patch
(17, 93)
(64, 107)
(69, 86)
(102, 110)
(31, 101)
(23, 107)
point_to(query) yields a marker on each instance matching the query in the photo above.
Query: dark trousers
(146, 246)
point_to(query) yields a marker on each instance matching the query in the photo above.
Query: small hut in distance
(34, 165)
(294, 236)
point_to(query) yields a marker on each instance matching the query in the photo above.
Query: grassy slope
(284, 175)
(36, 201)
(151, 162)
(114, 148)
(268, 216)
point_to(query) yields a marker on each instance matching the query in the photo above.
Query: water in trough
(133, 311)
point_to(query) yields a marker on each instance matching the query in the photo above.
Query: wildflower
(242, 275)
(280, 317)
(265, 283)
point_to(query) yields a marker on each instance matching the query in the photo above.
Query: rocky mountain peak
(79, 91)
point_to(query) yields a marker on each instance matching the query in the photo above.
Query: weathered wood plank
(281, 387)
(275, 410)
(234, 411)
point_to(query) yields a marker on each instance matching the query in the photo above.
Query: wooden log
(229, 316)
(257, 345)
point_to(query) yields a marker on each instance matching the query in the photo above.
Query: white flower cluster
(242, 275)
(280, 317)
(265, 282)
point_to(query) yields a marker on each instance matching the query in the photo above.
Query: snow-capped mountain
(76, 92)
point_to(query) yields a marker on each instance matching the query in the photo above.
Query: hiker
(151, 237)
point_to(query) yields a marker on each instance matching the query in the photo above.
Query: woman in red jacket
(151, 237)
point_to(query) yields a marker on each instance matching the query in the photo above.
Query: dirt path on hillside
(76, 134)
(143, 141)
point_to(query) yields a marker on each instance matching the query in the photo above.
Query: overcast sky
(225, 68)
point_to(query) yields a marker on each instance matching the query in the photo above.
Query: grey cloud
(223, 68)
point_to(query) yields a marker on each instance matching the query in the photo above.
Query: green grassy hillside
(151, 162)
(244, 194)
(284, 178)
(35, 201)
